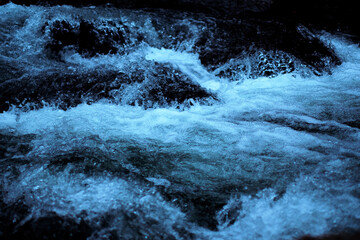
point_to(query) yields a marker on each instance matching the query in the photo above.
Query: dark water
(160, 124)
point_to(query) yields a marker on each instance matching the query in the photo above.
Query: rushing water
(257, 157)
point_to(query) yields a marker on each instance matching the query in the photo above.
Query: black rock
(88, 38)
(159, 85)
(227, 39)
(62, 34)
(11, 214)
(16, 223)
(62, 89)
(99, 40)
(170, 86)
(9, 70)
(200, 206)
(52, 226)
(258, 64)
(11, 145)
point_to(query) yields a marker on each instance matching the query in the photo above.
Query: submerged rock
(52, 226)
(9, 70)
(201, 206)
(160, 85)
(11, 145)
(11, 214)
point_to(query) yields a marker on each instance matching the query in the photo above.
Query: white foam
(188, 63)
(307, 208)
(70, 194)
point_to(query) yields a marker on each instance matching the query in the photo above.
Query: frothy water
(274, 157)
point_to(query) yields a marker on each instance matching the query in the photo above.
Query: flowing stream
(241, 156)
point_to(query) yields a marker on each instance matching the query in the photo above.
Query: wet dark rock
(15, 224)
(258, 64)
(170, 86)
(172, 33)
(88, 38)
(64, 90)
(158, 86)
(270, 64)
(200, 207)
(11, 214)
(52, 226)
(92, 161)
(299, 124)
(134, 225)
(227, 39)
(102, 40)
(12, 145)
(354, 124)
(151, 163)
(220, 40)
(62, 34)
(9, 70)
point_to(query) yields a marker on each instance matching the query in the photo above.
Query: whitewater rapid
(280, 154)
